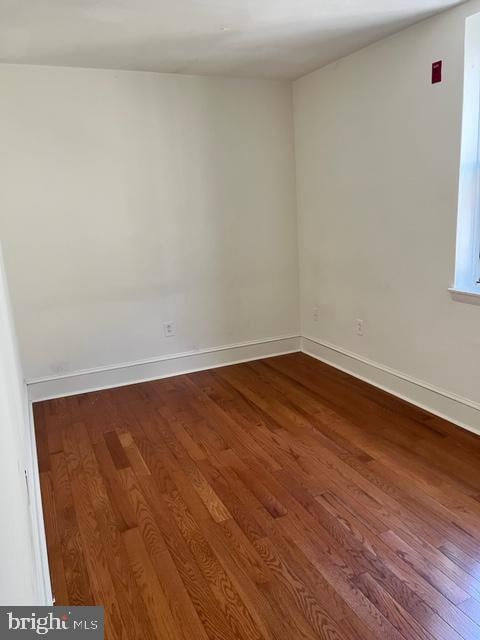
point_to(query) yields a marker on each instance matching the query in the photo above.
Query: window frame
(467, 258)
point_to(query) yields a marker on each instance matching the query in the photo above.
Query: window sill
(469, 297)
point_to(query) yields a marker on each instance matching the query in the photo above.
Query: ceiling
(262, 38)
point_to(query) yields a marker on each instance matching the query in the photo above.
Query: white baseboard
(162, 367)
(44, 587)
(461, 411)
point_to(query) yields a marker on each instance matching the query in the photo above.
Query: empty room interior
(240, 319)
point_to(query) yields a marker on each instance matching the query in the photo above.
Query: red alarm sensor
(437, 72)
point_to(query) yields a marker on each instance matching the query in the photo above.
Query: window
(467, 263)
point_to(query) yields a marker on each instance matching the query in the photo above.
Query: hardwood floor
(277, 499)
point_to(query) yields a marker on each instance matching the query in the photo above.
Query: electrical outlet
(359, 326)
(169, 329)
(316, 314)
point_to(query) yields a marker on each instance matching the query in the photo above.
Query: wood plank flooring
(279, 499)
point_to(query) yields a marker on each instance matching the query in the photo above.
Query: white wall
(18, 578)
(378, 152)
(133, 198)
(129, 199)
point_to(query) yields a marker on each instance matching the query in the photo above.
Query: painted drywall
(378, 154)
(18, 578)
(258, 38)
(129, 199)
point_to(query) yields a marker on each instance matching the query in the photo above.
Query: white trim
(126, 373)
(468, 220)
(44, 585)
(461, 411)
(460, 295)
